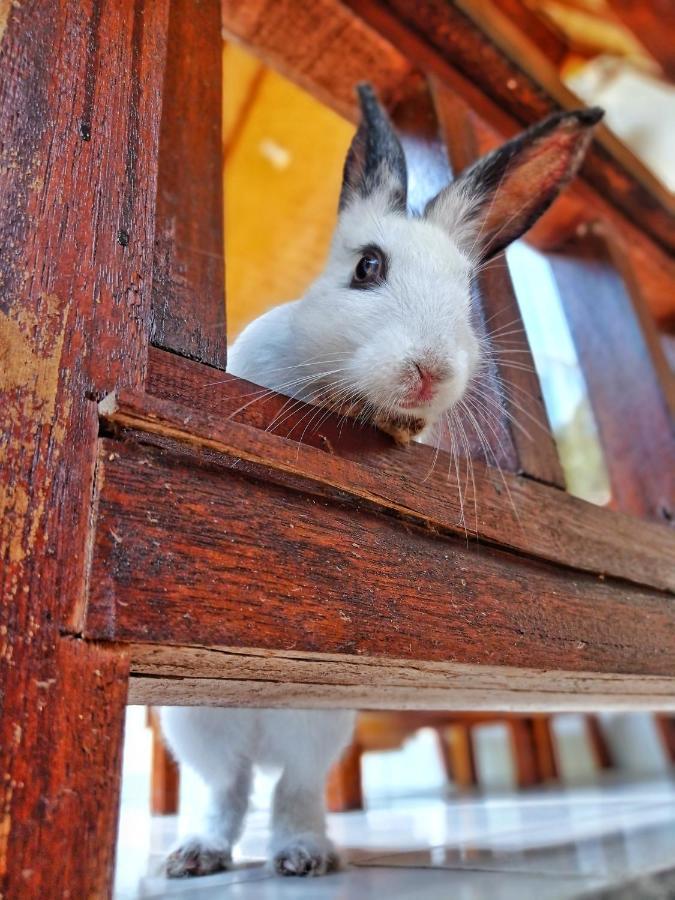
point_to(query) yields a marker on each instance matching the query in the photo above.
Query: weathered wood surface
(227, 676)
(633, 418)
(64, 750)
(79, 119)
(436, 35)
(322, 46)
(190, 553)
(188, 286)
(508, 510)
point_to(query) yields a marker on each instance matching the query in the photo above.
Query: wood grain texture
(510, 510)
(79, 114)
(227, 676)
(341, 52)
(61, 786)
(208, 554)
(188, 286)
(436, 35)
(632, 415)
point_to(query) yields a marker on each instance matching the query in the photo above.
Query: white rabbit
(385, 330)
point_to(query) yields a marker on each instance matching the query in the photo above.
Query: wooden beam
(189, 550)
(80, 100)
(617, 356)
(226, 676)
(322, 46)
(188, 284)
(507, 510)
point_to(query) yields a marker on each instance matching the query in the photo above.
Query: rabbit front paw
(306, 856)
(198, 856)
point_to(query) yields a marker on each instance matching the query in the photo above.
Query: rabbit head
(392, 308)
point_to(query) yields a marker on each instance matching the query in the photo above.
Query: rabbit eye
(370, 269)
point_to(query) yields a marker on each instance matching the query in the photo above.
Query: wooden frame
(568, 606)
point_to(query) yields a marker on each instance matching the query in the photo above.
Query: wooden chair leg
(164, 774)
(457, 753)
(599, 746)
(522, 746)
(344, 790)
(666, 728)
(544, 749)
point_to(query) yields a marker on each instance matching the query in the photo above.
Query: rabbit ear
(375, 160)
(503, 194)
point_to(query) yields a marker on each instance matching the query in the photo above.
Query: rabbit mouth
(416, 402)
(402, 426)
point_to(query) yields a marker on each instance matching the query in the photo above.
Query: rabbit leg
(212, 851)
(299, 844)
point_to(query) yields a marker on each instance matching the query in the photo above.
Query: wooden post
(164, 773)
(344, 791)
(80, 89)
(188, 287)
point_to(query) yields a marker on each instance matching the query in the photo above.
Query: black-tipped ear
(375, 160)
(503, 194)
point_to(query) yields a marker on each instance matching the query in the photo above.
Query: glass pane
(562, 381)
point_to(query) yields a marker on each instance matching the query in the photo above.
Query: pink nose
(428, 381)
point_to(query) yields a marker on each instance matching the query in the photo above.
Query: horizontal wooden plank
(188, 550)
(245, 677)
(505, 509)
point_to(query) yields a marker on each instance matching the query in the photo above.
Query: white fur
(368, 341)
(373, 346)
(223, 745)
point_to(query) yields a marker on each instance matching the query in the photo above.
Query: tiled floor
(557, 843)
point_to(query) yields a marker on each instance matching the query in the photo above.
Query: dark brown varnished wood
(213, 555)
(188, 284)
(80, 97)
(509, 510)
(66, 770)
(632, 414)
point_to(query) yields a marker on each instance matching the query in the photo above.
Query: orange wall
(284, 153)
